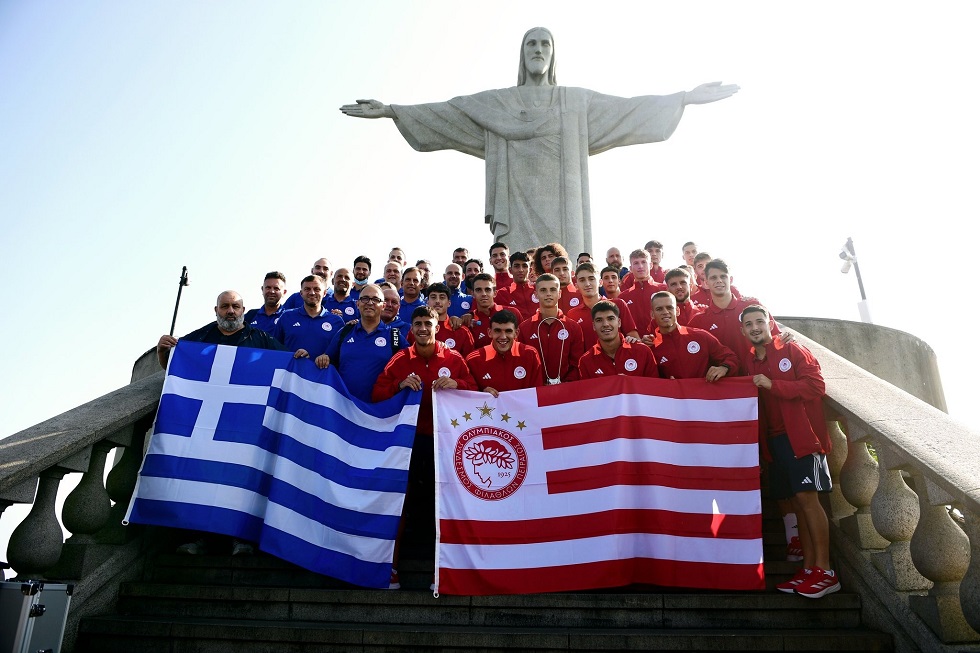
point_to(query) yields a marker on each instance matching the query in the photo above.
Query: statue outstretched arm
(710, 92)
(368, 109)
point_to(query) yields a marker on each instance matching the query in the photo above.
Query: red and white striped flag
(599, 483)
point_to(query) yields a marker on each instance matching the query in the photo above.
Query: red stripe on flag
(579, 479)
(613, 573)
(598, 524)
(649, 428)
(740, 387)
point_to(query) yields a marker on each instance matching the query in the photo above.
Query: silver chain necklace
(549, 380)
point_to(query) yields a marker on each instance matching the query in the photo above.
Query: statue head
(537, 35)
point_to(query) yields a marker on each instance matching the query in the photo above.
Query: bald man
(229, 328)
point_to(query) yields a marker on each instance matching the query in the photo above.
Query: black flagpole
(183, 282)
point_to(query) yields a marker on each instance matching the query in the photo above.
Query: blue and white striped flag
(259, 446)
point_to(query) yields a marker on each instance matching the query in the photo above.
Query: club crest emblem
(574, 301)
(451, 343)
(380, 341)
(785, 365)
(349, 310)
(519, 372)
(534, 298)
(464, 305)
(326, 326)
(444, 371)
(490, 462)
(693, 347)
(563, 334)
(630, 365)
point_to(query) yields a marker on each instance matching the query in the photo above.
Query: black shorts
(789, 475)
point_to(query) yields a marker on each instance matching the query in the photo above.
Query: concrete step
(707, 610)
(165, 635)
(262, 570)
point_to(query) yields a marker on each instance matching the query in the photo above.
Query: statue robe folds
(537, 159)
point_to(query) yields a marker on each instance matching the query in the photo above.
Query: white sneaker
(197, 548)
(239, 548)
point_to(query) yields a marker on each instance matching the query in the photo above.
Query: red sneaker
(790, 586)
(794, 550)
(819, 583)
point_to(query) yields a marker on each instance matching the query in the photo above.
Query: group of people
(540, 317)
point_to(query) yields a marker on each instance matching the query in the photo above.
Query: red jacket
(444, 362)
(460, 339)
(559, 351)
(631, 360)
(480, 323)
(582, 316)
(638, 299)
(723, 323)
(685, 312)
(520, 297)
(796, 396)
(517, 369)
(687, 353)
(570, 298)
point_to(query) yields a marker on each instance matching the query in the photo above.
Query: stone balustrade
(34, 462)
(899, 465)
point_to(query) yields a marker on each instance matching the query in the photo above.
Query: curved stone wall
(900, 358)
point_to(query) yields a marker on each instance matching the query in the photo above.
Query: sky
(138, 137)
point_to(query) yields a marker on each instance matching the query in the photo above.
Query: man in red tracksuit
(794, 433)
(679, 284)
(685, 352)
(588, 287)
(428, 365)
(720, 317)
(557, 339)
(438, 298)
(612, 354)
(484, 306)
(638, 297)
(520, 293)
(505, 364)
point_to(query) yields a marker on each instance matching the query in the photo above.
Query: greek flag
(266, 448)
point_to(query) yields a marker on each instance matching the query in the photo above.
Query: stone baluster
(970, 584)
(839, 507)
(22, 493)
(858, 482)
(86, 509)
(895, 513)
(121, 481)
(36, 543)
(941, 552)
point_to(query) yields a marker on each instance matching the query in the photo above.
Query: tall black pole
(184, 282)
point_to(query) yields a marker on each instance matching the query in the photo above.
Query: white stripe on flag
(277, 516)
(318, 393)
(329, 442)
(536, 503)
(601, 549)
(631, 405)
(283, 469)
(658, 451)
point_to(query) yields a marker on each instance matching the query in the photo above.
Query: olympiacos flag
(260, 446)
(599, 483)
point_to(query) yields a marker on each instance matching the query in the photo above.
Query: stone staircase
(259, 603)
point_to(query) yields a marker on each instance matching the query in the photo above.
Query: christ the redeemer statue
(536, 139)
